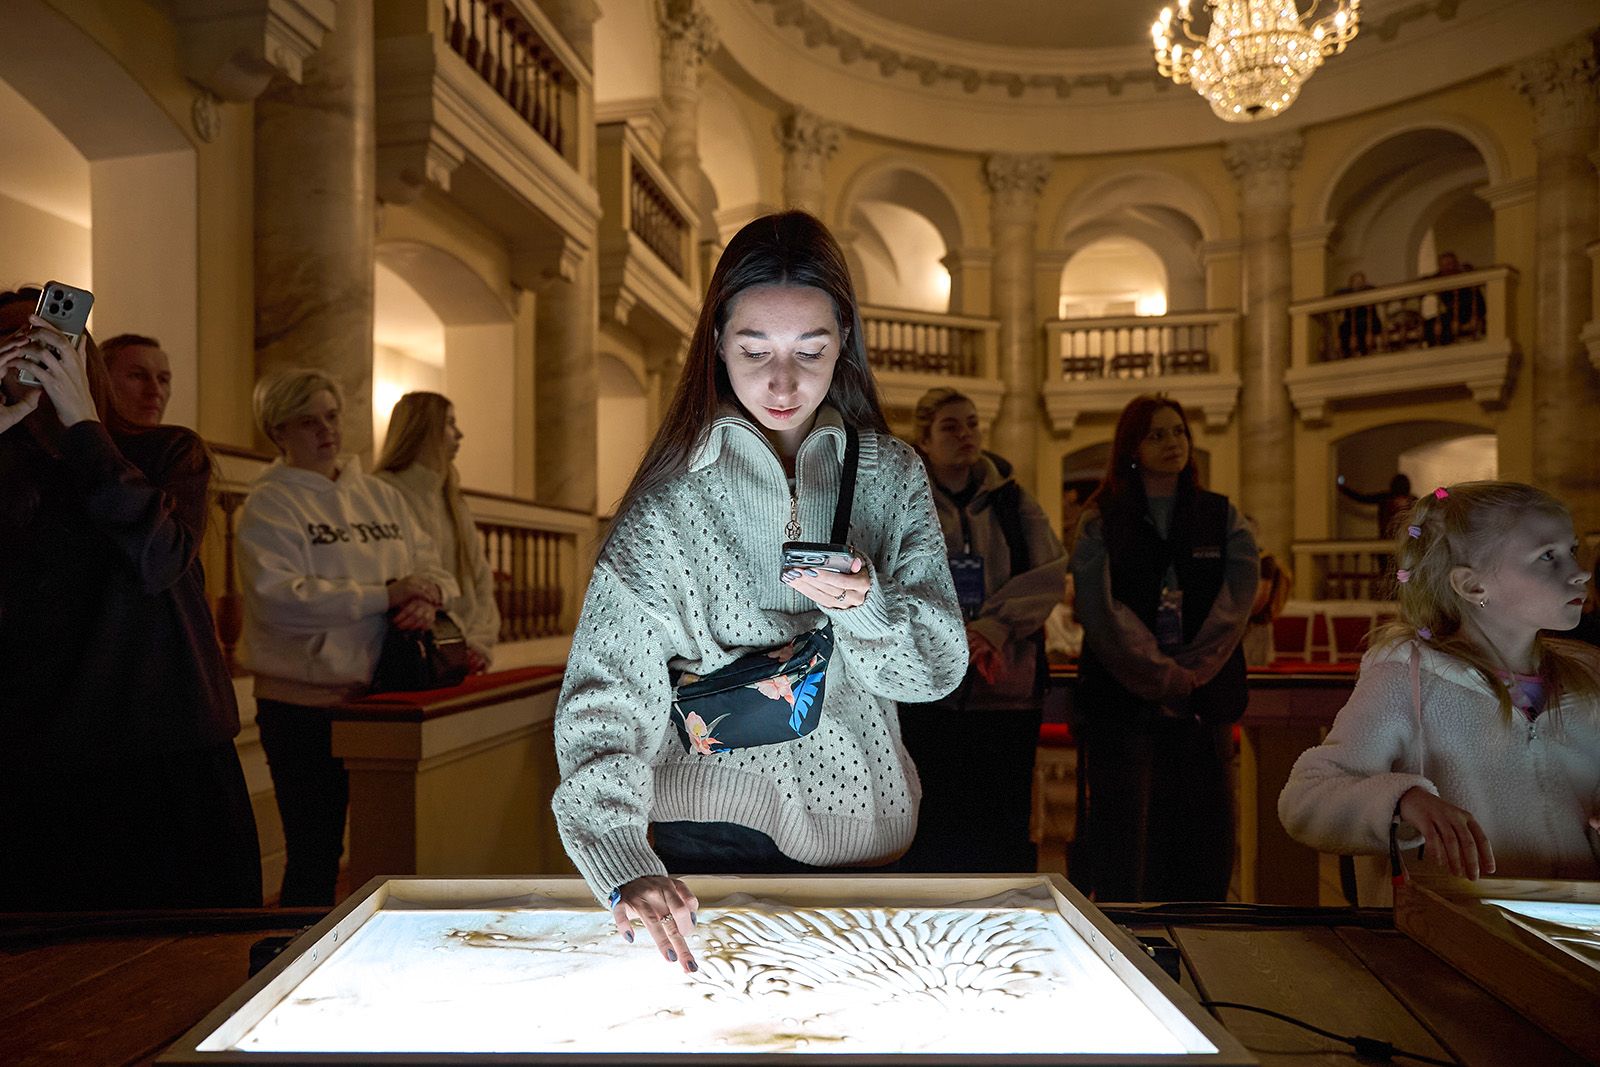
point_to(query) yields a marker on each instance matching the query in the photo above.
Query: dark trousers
(726, 848)
(977, 788)
(166, 830)
(313, 791)
(1159, 824)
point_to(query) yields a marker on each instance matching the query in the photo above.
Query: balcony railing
(1345, 570)
(1425, 335)
(508, 54)
(917, 342)
(533, 555)
(1141, 346)
(533, 552)
(656, 222)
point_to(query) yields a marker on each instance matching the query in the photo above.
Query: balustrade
(925, 343)
(655, 221)
(1139, 346)
(1345, 570)
(1373, 321)
(509, 55)
(528, 565)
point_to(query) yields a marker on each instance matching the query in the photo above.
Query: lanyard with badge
(966, 571)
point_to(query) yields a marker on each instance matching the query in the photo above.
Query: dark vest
(1196, 548)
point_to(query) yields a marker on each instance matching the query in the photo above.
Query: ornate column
(315, 220)
(1264, 168)
(808, 142)
(688, 38)
(1560, 84)
(1014, 183)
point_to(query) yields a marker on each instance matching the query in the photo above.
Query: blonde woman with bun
(418, 459)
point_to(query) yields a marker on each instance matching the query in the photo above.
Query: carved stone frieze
(688, 37)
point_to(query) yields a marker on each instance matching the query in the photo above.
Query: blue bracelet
(616, 898)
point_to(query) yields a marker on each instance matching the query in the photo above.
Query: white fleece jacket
(474, 608)
(692, 578)
(315, 556)
(1531, 786)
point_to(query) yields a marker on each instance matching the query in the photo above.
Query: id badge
(966, 570)
(1169, 621)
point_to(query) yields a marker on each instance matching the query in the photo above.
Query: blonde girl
(418, 459)
(1471, 731)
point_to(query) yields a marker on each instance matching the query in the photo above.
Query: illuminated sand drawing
(1572, 927)
(773, 978)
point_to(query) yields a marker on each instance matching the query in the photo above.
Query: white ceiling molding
(910, 97)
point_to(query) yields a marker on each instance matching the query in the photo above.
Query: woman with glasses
(1166, 573)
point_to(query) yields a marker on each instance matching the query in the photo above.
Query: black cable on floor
(1369, 1047)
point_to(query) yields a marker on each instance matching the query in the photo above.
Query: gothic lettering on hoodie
(321, 533)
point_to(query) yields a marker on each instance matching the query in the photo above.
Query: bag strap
(1416, 709)
(847, 486)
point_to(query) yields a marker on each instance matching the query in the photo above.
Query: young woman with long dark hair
(1166, 573)
(753, 452)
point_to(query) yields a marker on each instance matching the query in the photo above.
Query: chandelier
(1251, 63)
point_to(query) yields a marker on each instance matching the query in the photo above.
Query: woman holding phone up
(119, 783)
(774, 414)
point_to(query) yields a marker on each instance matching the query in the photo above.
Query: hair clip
(1414, 531)
(1425, 633)
(1402, 576)
(1440, 493)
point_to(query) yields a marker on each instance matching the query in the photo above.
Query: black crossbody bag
(772, 696)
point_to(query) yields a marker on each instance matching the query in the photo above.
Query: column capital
(1016, 175)
(1560, 84)
(1249, 158)
(688, 36)
(808, 136)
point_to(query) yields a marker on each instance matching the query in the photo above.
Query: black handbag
(413, 660)
(770, 696)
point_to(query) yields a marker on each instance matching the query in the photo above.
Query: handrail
(1400, 290)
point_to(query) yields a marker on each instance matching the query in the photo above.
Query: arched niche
(1428, 452)
(900, 224)
(142, 229)
(1405, 195)
(622, 427)
(1113, 274)
(1171, 238)
(1135, 191)
(432, 310)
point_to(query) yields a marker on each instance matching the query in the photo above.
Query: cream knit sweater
(692, 576)
(1531, 786)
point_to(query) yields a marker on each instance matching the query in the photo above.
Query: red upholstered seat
(1056, 735)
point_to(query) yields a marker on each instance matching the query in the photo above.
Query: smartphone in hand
(819, 555)
(65, 307)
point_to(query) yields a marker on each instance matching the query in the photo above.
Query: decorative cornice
(1507, 194)
(235, 47)
(859, 37)
(1560, 84)
(808, 136)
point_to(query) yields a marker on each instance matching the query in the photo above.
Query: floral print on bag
(754, 700)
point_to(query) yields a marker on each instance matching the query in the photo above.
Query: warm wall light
(1255, 56)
